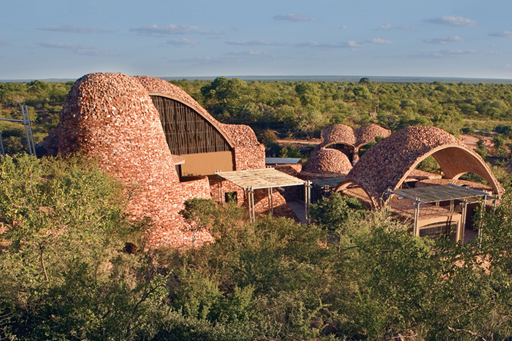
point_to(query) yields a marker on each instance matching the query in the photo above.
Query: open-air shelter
(268, 178)
(437, 214)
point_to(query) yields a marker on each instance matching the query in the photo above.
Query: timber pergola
(442, 193)
(267, 178)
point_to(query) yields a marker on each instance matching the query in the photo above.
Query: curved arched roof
(103, 115)
(365, 135)
(343, 134)
(390, 161)
(328, 161)
(160, 87)
(338, 133)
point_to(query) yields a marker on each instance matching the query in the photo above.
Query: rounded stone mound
(328, 161)
(111, 117)
(338, 133)
(365, 135)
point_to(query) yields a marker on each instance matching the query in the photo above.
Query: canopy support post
(248, 201)
(416, 230)
(463, 220)
(482, 206)
(271, 191)
(307, 200)
(251, 193)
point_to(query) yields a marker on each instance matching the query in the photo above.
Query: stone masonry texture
(111, 117)
(389, 162)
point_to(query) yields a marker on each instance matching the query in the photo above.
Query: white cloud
(210, 60)
(293, 17)
(77, 49)
(503, 34)
(314, 44)
(452, 20)
(172, 29)
(454, 39)
(502, 67)
(257, 42)
(247, 53)
(379, 41)
(388, 27)
(72, 29)
(440, 54)
(343, 27)
(493, 53)
(183, 42)
(457, 52)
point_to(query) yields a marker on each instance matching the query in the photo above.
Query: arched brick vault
(390, 161)
(337, 134)
(365, 135)
(329, 161)
(343, 134)
(160, 87)
(249, 153)
(112, 117)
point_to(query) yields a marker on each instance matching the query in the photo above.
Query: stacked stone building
(162, 144)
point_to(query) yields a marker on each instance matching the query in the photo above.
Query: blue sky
(435, 38)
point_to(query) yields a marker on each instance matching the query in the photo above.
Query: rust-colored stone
(111, 117)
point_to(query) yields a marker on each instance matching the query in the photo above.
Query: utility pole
(28, 130)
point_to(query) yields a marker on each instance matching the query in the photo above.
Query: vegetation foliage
(354, 275)
(67, 273)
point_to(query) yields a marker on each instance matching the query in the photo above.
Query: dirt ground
(471, 141)
(313, 142)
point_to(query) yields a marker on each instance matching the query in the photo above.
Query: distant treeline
(303, 109)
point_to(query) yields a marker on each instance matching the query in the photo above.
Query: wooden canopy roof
(261, 178)
(440, 193)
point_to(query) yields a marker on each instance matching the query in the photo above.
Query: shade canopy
(440, 193)
(261, 178)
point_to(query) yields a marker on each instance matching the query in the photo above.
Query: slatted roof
(440, 193)
(261, 178)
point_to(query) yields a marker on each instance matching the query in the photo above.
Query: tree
(309, 94)
(64, 274)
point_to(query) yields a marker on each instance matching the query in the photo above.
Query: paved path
(299, 210)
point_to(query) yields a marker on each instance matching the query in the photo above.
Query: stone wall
(111, 117)
(249, 153)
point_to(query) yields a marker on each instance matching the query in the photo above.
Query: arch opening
(345, 148)
(454, 161)
(353, 189)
